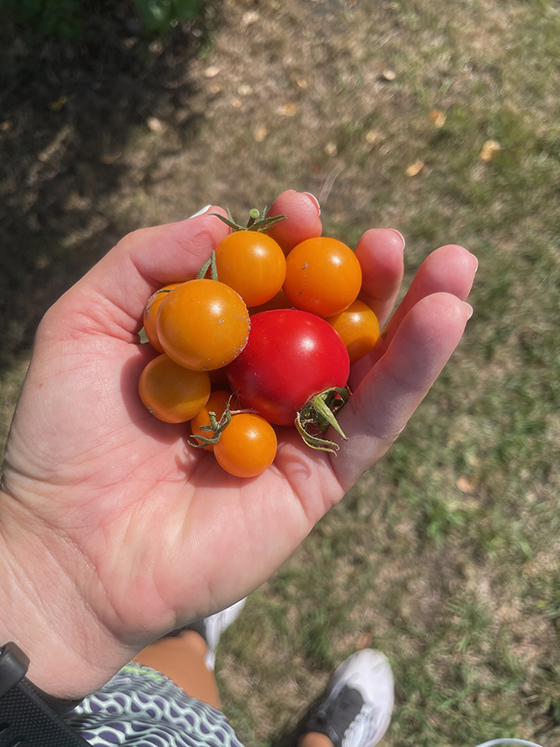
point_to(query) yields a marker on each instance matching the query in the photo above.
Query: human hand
(113, 530)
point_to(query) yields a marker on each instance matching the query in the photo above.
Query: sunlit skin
(133, 532)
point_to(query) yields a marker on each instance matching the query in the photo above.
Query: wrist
(44, 612)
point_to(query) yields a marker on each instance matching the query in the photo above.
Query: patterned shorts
(142, 707)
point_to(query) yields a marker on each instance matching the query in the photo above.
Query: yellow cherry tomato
(358, 327)
(247, 446)
(203, 324)
(252, 264)
(151, 312)
(323, 276)
(172, 393)
(217, 403)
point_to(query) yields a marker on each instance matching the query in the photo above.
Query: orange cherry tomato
(172, 393)
(150, 314)
(323, 276)
(252, 264)
(358, 327)
(203, 324)
(217, 403)
(247, 446)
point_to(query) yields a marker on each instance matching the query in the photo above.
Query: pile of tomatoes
(266, 341)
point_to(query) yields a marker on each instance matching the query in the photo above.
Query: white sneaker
(357, 707)
(215, 626)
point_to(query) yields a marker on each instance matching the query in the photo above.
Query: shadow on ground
(66, 112)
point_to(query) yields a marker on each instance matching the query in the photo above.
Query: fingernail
(200, 212)
(469, 308)
(476, 258)
(315, 200)
(399, 234)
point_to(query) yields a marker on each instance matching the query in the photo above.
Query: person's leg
(187, 656)
(182, 659)
(314, 739)
(356, 709)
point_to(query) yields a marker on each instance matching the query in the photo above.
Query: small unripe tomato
(151, 312)
(217, 403)
(323, 276)
(203, 324)
(247, 446)
(358, 327)
(172, 393)
(252, 264)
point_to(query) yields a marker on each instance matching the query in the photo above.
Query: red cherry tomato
(290, 356)
(247, 446)
(358, 327)
(323, 276)
(252, 264)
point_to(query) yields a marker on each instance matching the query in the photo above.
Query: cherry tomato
(150, 315)
(217, 403)
(323, 276)
(358, 327)
(203, 324)
(252, 264)
(247, 446)
(291, 356)
(172, 393)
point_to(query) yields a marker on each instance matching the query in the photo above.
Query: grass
(446, 556)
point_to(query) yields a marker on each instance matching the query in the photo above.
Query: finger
(387, 397)
(111, 297)
(380, 253)
(302, 222)
(449, 269)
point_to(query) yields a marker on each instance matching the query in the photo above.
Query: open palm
(151, 532)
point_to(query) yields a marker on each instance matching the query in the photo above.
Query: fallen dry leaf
(215, 87)
(389, 75)
(414, 168)
(6, 126)
(371, 136)
(244, 90)
(287, 110)
(301, 83)
(211, 72)
(260, 133)
(331, 149)
(437, 117)
(248, 18)
(490, 150)
(156, 47)
(155, 124)
(57, 105)
(465, 486)
(364, 641)
(109, 158)
(236, 103)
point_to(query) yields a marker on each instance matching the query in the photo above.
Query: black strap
(26, 718)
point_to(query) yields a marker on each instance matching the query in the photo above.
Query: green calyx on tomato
(216, 427)
(318, 414)
(257, 220)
